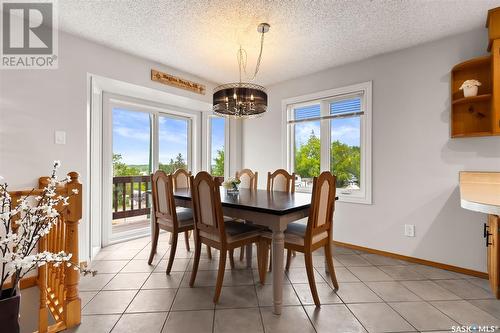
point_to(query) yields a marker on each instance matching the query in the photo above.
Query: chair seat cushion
(235, 231)
(296, 232)
(184, 217)
(184, 214)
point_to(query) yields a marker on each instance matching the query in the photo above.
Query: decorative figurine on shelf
(470, 87)
(232, 185)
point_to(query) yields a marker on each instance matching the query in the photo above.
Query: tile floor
(377, 294)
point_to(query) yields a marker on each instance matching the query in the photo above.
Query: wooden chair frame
(290, 180)
(312, 230)
(218, 229)
(171, 215)
(254, 177)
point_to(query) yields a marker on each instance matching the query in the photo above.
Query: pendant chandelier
(242, 99)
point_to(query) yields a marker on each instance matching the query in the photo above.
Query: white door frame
(96, 86)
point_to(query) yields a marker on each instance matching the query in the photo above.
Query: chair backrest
(322, 205)
(163, 197)
(281, 180)
(181, 178)
(248, 178)
(207, 207)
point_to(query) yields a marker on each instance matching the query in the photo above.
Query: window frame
(324, 98)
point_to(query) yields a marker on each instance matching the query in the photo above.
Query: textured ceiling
(201, 37)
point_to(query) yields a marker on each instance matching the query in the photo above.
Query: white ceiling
(202, 36)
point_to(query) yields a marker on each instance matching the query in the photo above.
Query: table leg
(248, 253)
(278, 269)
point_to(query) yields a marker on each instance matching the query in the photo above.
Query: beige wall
(35, 103)
(415, 163)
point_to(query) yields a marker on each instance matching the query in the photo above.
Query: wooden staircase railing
(59, 284)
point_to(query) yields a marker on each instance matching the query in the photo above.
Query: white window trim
(208, 140)
(365, 195)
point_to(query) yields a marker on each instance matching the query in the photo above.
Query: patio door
(138, 138)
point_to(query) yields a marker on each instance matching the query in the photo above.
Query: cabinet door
(494, 254)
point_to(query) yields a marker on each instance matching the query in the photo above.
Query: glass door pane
(217, 139)
(173, 143)
(131, 169)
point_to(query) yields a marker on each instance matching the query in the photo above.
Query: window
(331, 130)
(217, 140)
(174, 142)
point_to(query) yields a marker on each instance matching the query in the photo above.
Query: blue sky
(217, 136)
(131, 136)
(345, 130)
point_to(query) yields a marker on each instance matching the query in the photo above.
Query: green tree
(178, 163)
(218, 167)
(307, 157)
(122, 169)
(345, 163)
(344, 160)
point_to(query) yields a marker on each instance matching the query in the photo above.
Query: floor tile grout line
(293, 286)
(133, 298)
(257, 297)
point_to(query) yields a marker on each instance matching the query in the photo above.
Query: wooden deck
(130, 223)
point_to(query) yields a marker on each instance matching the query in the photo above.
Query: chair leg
(310, 277)
(154, 243)
(264, 253)
(288, 259)
(172, 252)
(242, 253)
(231, 258)
(220, 273)
(197, 254)
(209, 252)
(186, 238)
(331, 268)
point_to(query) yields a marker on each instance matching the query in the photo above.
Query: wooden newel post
(73, 217)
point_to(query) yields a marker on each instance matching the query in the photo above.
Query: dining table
(274, 210)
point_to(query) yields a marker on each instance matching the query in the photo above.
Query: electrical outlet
(409, 230)
(60, 137)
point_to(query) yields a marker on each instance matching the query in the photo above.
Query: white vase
(470, 91)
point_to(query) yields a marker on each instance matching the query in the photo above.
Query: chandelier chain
(243, 58)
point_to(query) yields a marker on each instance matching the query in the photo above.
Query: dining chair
(211, 229)
(181, 181)
(281, 180)
(311, 233)
(167, 216)
(248, 180)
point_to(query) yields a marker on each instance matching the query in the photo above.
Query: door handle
(488, 240)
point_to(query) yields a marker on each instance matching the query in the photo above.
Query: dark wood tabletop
(277, 203)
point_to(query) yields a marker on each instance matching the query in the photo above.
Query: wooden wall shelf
(478, 98)
(478, 115)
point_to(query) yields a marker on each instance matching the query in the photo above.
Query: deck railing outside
(130, 197)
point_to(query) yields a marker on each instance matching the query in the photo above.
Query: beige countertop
(480, 191)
